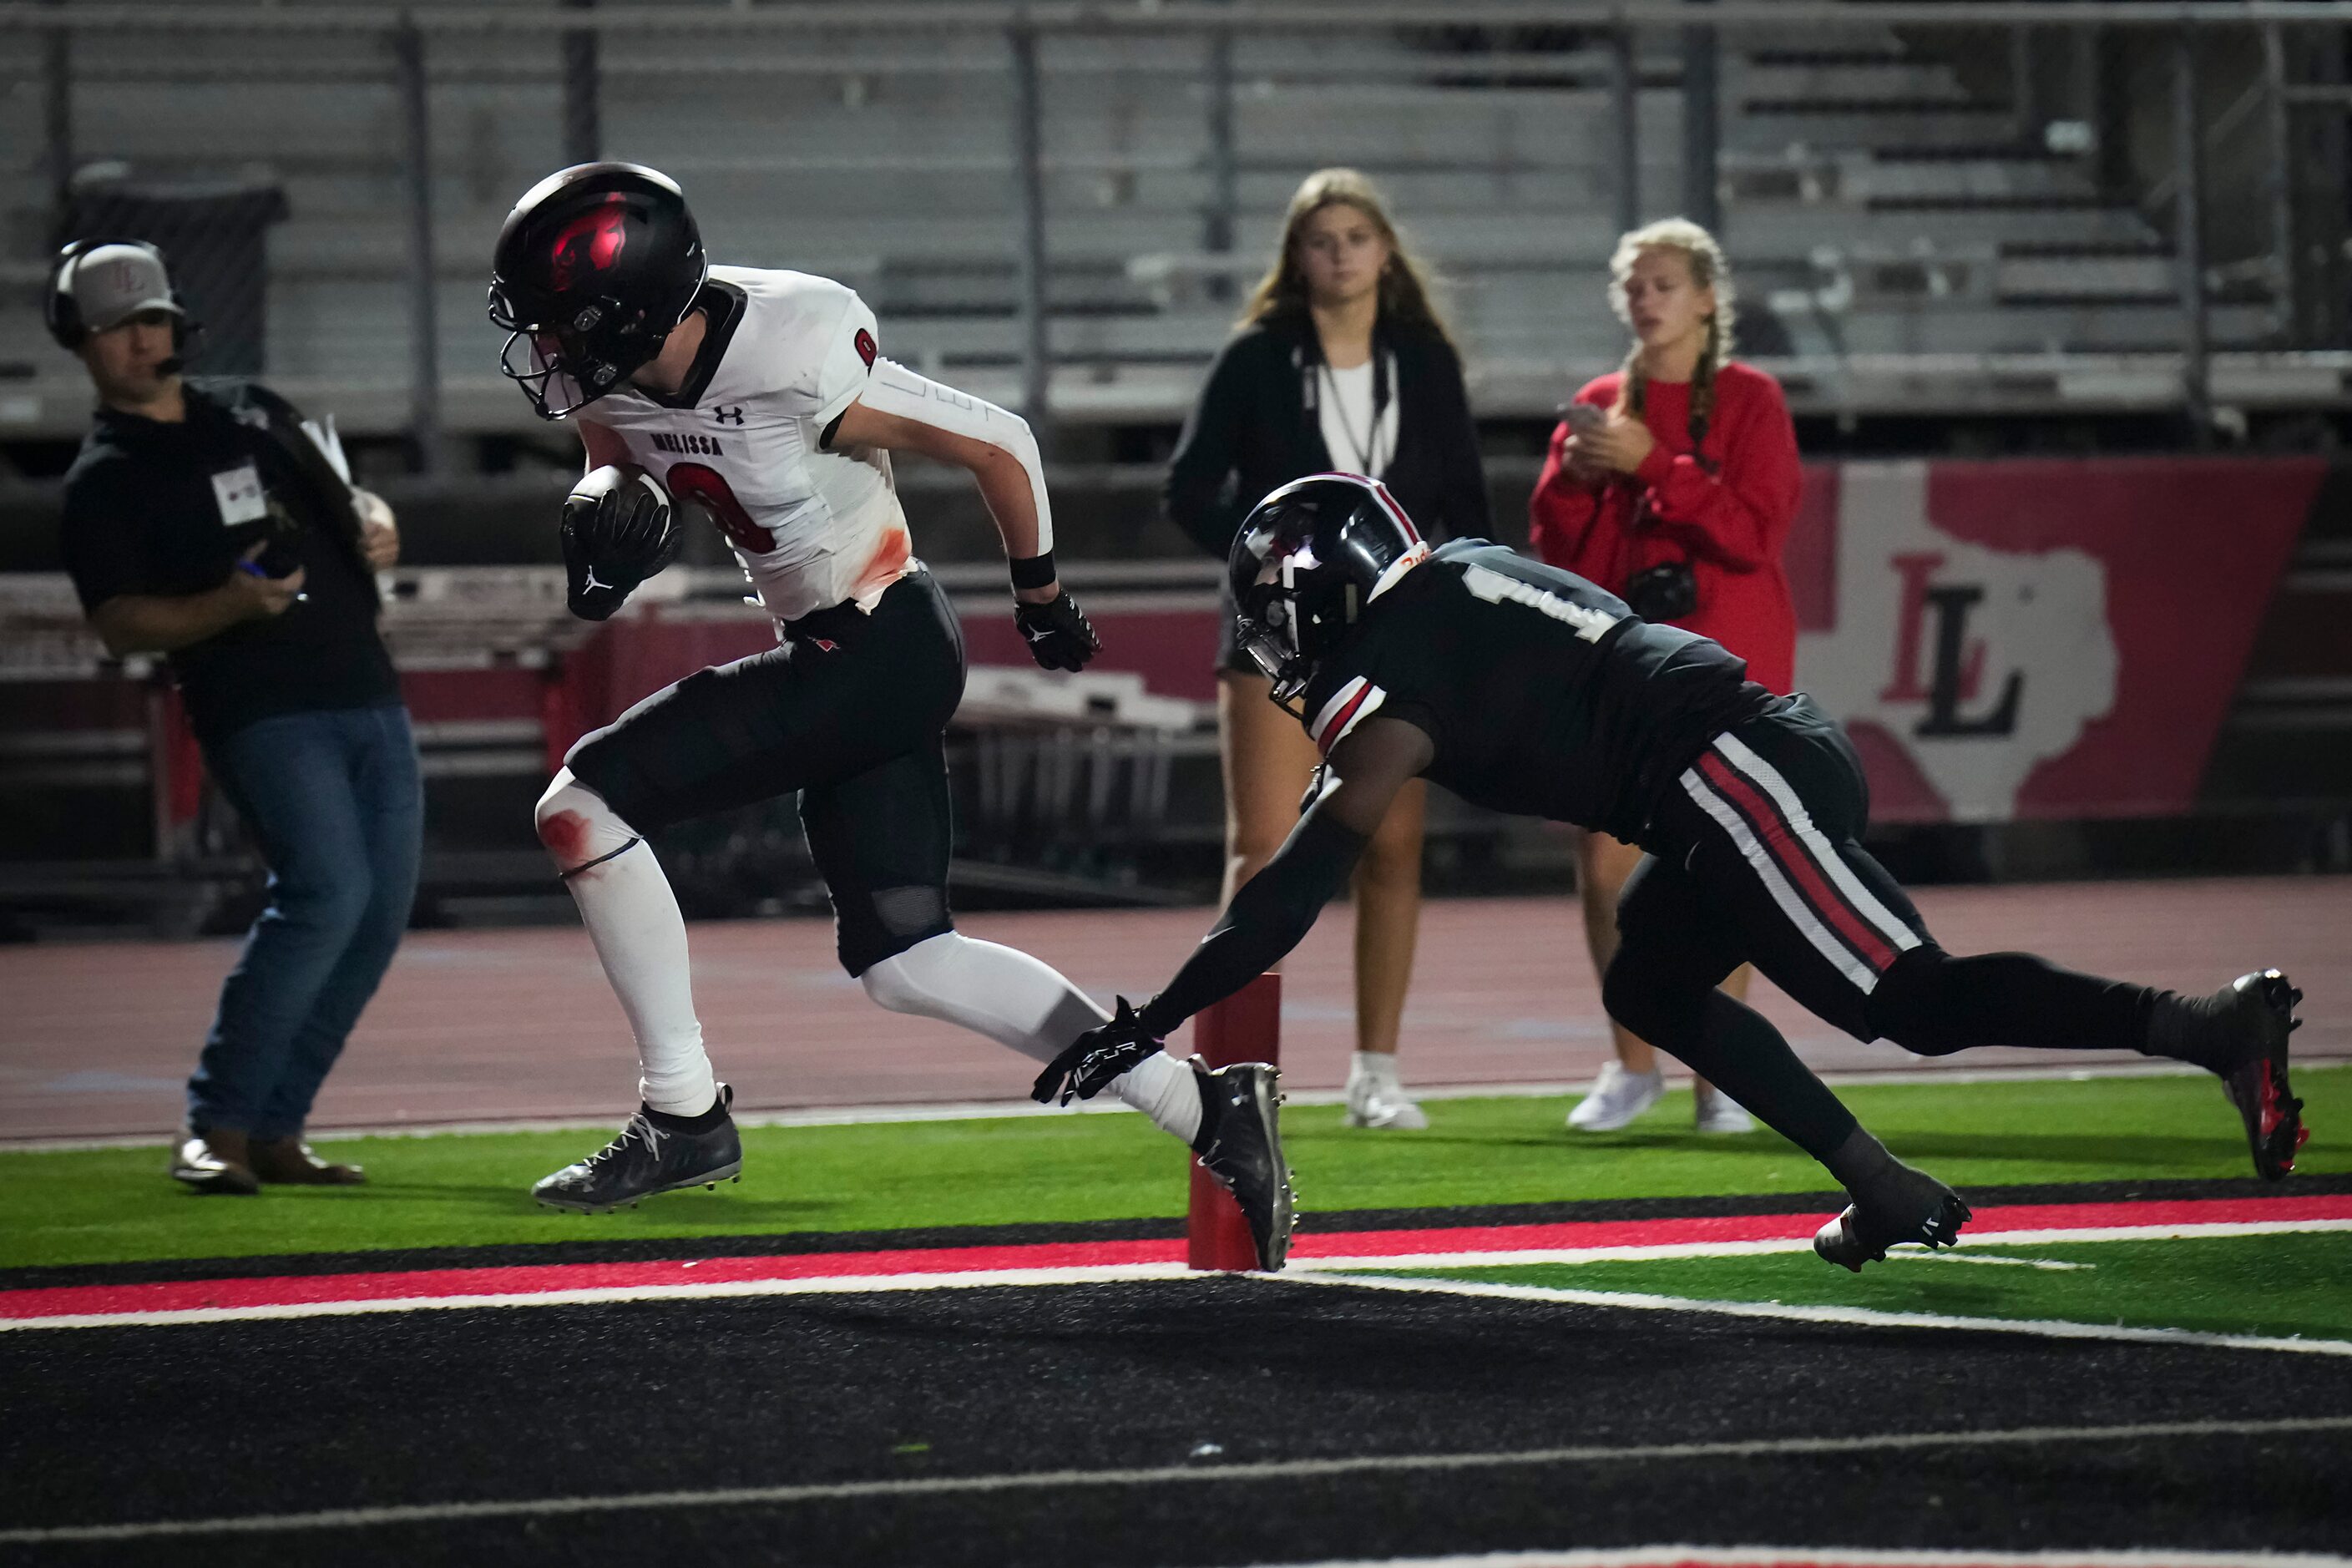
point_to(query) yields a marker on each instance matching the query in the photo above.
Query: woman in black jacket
(1340, 363)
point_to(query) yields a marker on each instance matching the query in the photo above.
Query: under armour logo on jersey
(732, 413)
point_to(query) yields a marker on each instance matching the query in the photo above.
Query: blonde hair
(1405, 286)
(1709, 268)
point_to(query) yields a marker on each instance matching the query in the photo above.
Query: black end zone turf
(268, 1418)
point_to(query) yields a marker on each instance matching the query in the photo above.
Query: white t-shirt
(1359, 443)
(812, 528)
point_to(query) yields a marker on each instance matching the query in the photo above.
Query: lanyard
(1366, 453)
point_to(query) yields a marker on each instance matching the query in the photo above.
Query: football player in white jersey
(762, 397)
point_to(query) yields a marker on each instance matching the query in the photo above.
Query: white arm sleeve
(895, 389)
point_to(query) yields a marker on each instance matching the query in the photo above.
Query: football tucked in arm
(619, 528)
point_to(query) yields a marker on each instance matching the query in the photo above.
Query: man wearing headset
(204, 523)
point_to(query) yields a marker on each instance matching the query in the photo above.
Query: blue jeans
(334, 797)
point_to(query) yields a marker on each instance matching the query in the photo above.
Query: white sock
(1378, 1066)
(1018, 1001)
(1166, 1090)
(633, 918)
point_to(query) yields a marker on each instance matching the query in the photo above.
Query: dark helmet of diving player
(1307, 561)
(593, 269)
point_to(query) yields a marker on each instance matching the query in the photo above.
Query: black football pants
(849, 710)
(1758, 859)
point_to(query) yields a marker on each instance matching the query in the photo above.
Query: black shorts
(849, 710)
(1757, 858)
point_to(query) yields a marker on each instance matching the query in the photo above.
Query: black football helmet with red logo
(1308, 560)
(594, 267)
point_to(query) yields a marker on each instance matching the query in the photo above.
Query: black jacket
(157, 508)
(1252, 431)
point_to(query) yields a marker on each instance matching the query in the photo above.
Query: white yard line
(1860, 1317)
(1267, 1470)
(1683, 1556)
(1914, 1254)
(1524, 1257)
(999, 1109)
(829, 1285)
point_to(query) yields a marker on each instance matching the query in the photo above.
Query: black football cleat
(647, 1159)
(1241, 1145)
(2259, 1008)
(1905, 1205)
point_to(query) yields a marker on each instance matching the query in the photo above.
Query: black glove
(1095, 1057)
(1059, 638)
(619, 528)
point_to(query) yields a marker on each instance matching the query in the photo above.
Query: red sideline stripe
(190, 1295)
(195, 1295)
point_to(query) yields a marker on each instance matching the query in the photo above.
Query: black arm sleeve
(1268, 918)
(1198, 493)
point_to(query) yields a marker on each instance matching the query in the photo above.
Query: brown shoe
(289, 1161)
(214, 1161)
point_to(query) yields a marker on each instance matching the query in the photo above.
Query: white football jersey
(785, 354)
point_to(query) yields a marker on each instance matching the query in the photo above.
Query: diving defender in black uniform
(1525, 688)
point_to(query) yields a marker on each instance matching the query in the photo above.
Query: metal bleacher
(1884, 213)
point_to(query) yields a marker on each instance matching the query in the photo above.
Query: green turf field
(2284, 1285)
(117, 1206)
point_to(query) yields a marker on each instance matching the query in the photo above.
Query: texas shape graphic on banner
(1978, 664)
(2038, 638)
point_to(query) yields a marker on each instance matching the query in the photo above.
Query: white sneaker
(1617, 1097)
(1375, 1098)
(1719, 1112)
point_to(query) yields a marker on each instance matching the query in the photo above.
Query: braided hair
(1709, 269)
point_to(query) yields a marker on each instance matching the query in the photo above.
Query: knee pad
(1916, 1004)
(874, 926)
(578, 828)
(915, 979)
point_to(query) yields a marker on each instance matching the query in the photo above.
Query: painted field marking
(1025, 1109)
(600, 1296)
(1683, 1556)
(1262, 1470)
(1860, 1317)
(1085, 1262)
(1917, 1253)
(1514, 1257)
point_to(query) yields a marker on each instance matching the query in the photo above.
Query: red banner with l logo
(2038, 638)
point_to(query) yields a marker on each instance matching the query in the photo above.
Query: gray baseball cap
(114, 282)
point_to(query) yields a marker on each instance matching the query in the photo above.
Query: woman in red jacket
(1673, 482)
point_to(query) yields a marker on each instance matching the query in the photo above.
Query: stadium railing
(1934, 207)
